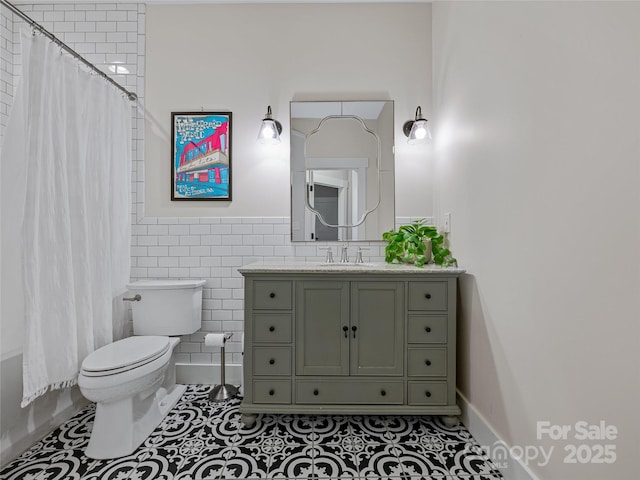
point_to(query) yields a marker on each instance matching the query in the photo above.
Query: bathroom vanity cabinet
(361, 339)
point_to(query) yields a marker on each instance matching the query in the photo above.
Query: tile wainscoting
(213, 249)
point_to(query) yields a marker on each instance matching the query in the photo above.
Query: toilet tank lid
(165, 284)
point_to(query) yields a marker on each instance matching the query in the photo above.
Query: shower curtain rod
(130, 95)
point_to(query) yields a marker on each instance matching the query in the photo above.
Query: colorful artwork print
(201, 156)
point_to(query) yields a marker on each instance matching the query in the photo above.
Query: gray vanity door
(377, 328)
(322, 315)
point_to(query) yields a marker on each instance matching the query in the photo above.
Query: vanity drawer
(272, 360)
(350, 391)
(271, 295)
(427, 393)
(427, 329)
(270, 328)
(271, 391)
(427, 362)
(428, 296)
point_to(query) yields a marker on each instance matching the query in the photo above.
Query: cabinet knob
(383, 392)
(272, 328)
(272, 361)
(427, 393)
(316, 392)
(353, 329)
(427, 329)
(427, 363)
(271, 392)
(272, 295)
(427, 296)
(345, 329)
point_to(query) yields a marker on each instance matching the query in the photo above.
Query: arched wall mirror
(342, 170)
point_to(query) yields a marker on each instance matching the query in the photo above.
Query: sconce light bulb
(419, 132)
(270, 129)
(267, 132)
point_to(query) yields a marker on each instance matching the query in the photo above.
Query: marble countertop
(353, 268)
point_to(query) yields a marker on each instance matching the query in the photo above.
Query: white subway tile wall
(105, 34)
(103, 43)
(167, 247)
(6, 68)
(213, 249)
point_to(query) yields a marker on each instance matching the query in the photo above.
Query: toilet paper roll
(214, 339)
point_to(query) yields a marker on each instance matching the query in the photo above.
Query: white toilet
(132, 381)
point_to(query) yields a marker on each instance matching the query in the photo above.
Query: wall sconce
(417, 130)
(270, 130)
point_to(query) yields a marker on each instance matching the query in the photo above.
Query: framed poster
(201, 156)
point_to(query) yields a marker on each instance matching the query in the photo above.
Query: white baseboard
(193, 373)
(511, 467)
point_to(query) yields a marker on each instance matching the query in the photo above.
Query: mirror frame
(378, 153)
(304, 168)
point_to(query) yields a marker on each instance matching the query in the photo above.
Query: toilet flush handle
(137, 298)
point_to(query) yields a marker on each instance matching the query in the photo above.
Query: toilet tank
(167, 307)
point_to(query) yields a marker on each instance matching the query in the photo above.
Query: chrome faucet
(329, 254)
(344, 257)
(359, 255)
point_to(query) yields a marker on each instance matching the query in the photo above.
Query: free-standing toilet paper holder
(222, 392)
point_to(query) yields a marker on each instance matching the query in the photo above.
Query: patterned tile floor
(201, 440)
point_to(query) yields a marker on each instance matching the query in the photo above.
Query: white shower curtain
(71, 131)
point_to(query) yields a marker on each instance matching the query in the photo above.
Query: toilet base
(120, 427)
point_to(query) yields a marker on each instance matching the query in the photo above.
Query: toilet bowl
(132, 381)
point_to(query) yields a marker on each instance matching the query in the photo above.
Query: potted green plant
(415, 243)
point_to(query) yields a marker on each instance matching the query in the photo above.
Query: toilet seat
(124, 355)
